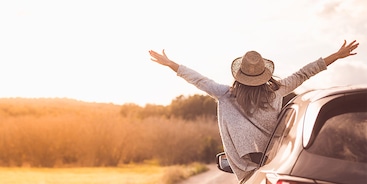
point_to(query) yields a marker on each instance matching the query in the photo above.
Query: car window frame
(291, 109)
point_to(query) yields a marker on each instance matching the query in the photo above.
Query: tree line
(185, 107)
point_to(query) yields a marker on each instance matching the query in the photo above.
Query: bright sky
(97, 51)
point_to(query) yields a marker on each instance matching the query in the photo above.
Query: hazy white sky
(97, 51)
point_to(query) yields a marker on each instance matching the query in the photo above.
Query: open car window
(285, 123)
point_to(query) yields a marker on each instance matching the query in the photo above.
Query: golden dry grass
(69, 133)
(126, 174)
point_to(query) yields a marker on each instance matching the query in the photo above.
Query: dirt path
(212, 176)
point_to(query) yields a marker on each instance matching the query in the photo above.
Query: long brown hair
(253, 98)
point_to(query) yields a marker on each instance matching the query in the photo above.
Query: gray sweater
(239, 136)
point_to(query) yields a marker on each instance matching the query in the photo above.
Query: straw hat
(252, 69)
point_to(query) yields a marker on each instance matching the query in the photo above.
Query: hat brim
(252, 80)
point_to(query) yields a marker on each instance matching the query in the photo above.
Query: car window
(281, 132)
(341, 130)
(343, 137)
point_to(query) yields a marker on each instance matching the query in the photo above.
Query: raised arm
(296, 79)
(203, 83)
(344, 51)
(163, 60)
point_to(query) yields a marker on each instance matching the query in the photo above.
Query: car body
(321, 137)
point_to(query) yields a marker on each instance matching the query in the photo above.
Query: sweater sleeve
(203, 83)
(291, 82)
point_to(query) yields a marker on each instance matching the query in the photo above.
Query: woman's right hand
(163, 60)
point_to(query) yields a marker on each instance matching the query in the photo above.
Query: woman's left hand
(344, 51)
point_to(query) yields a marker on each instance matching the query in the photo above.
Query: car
(320, 137)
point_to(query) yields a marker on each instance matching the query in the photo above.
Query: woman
(248, 110)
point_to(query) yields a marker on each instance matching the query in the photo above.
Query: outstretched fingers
(351, 43)
(159, 58)
(154, 55)
(353, 46)
(346, 49)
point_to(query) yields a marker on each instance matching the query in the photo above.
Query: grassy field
(64, 133)
(127, 174)
(54, 141)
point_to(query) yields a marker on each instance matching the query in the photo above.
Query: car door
(279, 142)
